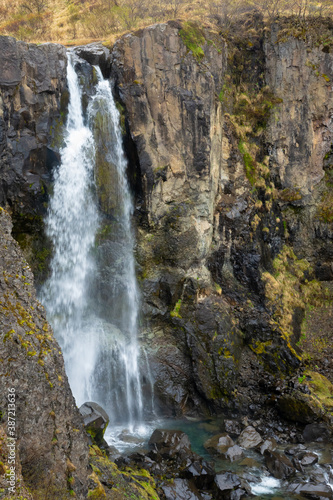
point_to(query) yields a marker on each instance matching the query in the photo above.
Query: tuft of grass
(249, 163)
(193, 37)
(289, 288)
(175, 312)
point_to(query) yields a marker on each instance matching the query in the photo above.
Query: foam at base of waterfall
(267, 486)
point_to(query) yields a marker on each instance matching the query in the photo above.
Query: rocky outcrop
(174, 119)
(33, 102)
(51, 444)
(231, 151)
(299, 137)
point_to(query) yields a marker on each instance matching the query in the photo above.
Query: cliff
(232, 142)
(230, 162)
(51, 446)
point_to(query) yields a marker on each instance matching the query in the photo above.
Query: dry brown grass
(316, 339)
(74, 22)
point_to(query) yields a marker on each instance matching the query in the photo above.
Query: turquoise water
(263, 486)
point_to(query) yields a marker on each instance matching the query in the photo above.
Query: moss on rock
(119, 484)
(289, 288)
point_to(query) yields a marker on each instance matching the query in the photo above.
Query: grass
(193, 38)
(316, 340)
(75, 22)
(289, 288)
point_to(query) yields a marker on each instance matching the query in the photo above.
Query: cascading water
(91, 297)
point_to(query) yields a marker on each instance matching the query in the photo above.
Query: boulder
(268, 444)
(249, 438)
(232, 453)
(181, 489)
(170, 443)
(200, 472)
(278, 465)
(319, 432)
(230, 486)
(294, 449)
(316, 491)
(307, 458)
(219, 442)
(95, 421)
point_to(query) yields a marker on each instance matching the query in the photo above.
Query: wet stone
(200, 472)
(268, 444)
(169, 443)
(128, 438)
(278, 465)
(222, 441)
(181, 489)
(315, 491)
(232, 427)
(233, 453)
(294, 450)
(249, 438)
(307, 458)
(225, 483)
(319, 432)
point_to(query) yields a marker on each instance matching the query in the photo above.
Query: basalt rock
(249, 438)
(170, 443)
(33, 106)
(95, 421)
(229, 486)
(223, 184)
(278, 465)
(51, 443)
(317, 432)
(181, 489)
(203, 240)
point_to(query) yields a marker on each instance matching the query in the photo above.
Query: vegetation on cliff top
(79, 21)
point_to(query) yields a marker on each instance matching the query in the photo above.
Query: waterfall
(91, 297)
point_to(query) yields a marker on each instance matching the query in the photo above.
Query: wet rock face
(32, 85)
(304, 133)
(33, 102)
(205, 230)
(51, 442)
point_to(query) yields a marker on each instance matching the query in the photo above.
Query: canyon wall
(230, 162)
(232, 147)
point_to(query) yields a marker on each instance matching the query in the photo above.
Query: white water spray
(98, 337)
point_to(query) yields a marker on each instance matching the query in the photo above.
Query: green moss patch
(127, 483)
(175, 312)
(320, 387)
(193, 38)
